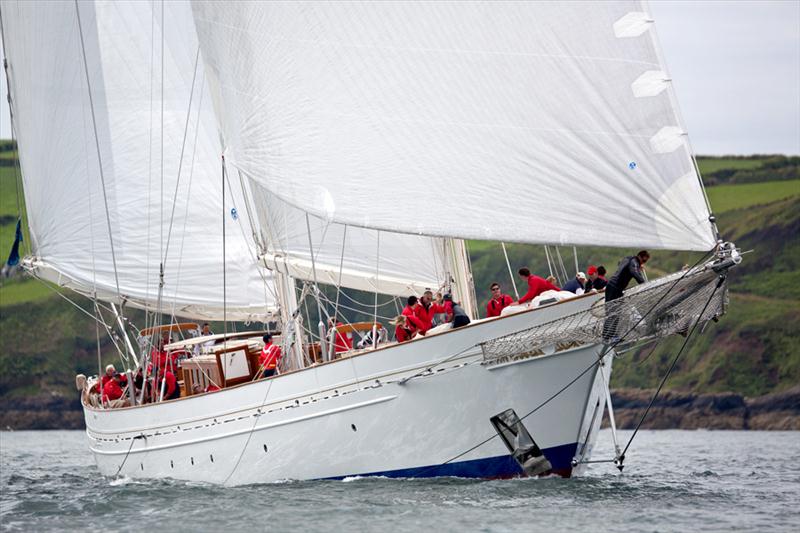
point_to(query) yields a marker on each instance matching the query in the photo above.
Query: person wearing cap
(498, 301)
(597, 280)
(112, 390)
(536, 285)
(269, 358)
(455, 313)
(575, 284)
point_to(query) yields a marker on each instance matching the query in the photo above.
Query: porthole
(192, 458)
(212, 458)
(353, 427)
(265, 449)
(171, 464)
(141, 465)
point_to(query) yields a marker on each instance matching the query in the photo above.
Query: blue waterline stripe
(493, 467)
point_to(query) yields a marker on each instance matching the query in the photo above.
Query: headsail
(348, 256)
(65, 196)
(562, 110)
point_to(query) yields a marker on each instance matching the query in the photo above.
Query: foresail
(358, 258)
(155, 209)
(541, 122)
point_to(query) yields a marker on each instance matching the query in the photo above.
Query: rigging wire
(510, 273)
(575, 256)
(180, 159)
(339, 282)
(188, 198)
(720, 281)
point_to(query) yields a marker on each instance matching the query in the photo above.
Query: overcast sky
(735, 66)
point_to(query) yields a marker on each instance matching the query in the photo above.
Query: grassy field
(712, 164)
(729, 197)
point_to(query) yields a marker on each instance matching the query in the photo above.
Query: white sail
(353, 257)
(66, 199)
(548, 122)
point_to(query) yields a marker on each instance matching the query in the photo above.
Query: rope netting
(660, 308)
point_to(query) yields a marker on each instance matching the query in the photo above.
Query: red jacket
(537, 286)
(112, 390)
(342, 342)
(496, 305)
(414, 323)
(170, 385)
(425, 315)
(403, 334)
(270, 357)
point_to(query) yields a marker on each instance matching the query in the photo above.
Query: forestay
(63, 189)
(542, 122)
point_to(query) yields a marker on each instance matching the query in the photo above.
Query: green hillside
(753, 350)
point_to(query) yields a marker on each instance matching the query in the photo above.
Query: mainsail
(539, 122)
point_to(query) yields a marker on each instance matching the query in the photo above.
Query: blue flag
(13, 257)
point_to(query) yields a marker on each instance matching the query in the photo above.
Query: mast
(461, 274)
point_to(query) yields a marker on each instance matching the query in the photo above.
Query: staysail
(540, 122)
(159, 198)
(353, 257)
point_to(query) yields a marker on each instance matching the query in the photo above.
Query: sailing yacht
(212, 160)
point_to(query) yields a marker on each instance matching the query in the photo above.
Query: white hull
(354, 417)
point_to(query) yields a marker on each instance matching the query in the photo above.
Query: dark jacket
(572, 285)
(598, 284)
(628, 269)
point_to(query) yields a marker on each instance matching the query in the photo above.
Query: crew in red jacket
(410, 312)
(498, 301)
(425, 310)
(269, 358)
(342, 341)
(171, 388)
(403, 331)
(112, 390)
(536, 285)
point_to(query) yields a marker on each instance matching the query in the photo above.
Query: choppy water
(674, 481)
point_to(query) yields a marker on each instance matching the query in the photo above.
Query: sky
(735, 66)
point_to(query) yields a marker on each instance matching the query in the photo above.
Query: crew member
(425, 311)
(269, 358)
(629, 268)
(536, 285)
(597, 280)
(402, 331)
(112, 390)
(410, 312)
(342, 342)
(576, 284)
(455, 313)
(498, 301)
(171, 388)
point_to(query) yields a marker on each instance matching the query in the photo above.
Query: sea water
(673, 481)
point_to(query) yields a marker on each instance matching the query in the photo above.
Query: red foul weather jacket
(496, 305)
(537, 286)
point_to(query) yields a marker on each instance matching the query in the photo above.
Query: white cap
(110, 367)
(581, 275)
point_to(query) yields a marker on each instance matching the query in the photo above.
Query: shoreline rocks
(726, 410)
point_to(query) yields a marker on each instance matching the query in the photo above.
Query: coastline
(672, 410)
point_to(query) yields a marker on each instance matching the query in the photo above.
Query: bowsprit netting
(657, 309)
